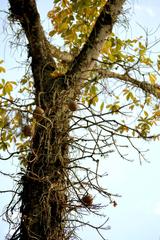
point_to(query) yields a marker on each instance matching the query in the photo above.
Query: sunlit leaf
(8, 88)
(2, 70)
(101, 106)
(152, 78)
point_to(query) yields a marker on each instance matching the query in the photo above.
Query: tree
(55, 154)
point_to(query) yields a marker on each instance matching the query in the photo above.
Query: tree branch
(103, 27)
(61, 55)
(27, 14)
(143, 85)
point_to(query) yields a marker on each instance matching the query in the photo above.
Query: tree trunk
(44, 195)
(45, 201)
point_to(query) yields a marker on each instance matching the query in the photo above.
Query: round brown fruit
(87, 200)
(38, 113)
(72, 105)
(28, 131)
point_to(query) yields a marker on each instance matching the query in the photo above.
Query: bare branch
(143, 85)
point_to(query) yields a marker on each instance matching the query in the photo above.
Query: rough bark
(45, 184)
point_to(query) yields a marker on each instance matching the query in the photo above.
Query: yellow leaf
(152, 78)
(157, 113)
(2, 69)
(17, 119)
(8, 88)
(62, 27)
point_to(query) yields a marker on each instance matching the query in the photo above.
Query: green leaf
(56, 1)
(101, 106)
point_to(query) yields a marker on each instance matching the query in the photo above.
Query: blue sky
(137, 216)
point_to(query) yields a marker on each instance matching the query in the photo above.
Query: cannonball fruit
(87, 200)
(72, 105)
(28, 131)
(38, 113)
